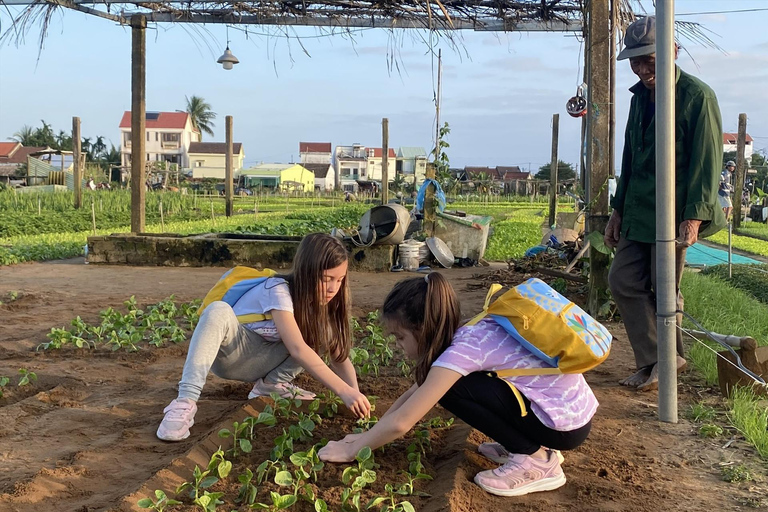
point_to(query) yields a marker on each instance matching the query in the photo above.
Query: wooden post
(599, 42)
(741, 170)
(228, 171)
(553, 171)
(384, 161)
(77, 169)
(138, 120)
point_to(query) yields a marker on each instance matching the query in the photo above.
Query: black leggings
(488, 404)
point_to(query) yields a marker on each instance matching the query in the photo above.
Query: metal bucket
(385, 224)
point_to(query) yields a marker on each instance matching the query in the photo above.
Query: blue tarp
(704, 255)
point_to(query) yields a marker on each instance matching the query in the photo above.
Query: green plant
(239, 443)
(393, 505)
(248, 491)
(750, 416)
(26, 377)
(308, 460)
(159, 505)
(710, 430)
(267, 467)
(330, 403)
(283, 446)
(209, 500)
(701, 412)
(218, 467)
(3, 382)
(736, 473)
(278, 502)
(363, 474)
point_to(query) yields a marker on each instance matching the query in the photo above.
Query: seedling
(26, 377)
(331, 402)
(299, 482)
(350, 500)
(264, 418)
(278, 502)
(710, 430)
(239, 443)
(266, 467)
(407, 489)
(302, 431)
(248, 491)
(363, 474)
(701, 412)
(735, 474)
(159, 505)
(394, 505)
(421, 442)
(364, 424)
(405, 368)
(283, 446)
(3, 382)
(209, 500)
(308, 461)
(218, 467)
(436, 423)
(284, 407)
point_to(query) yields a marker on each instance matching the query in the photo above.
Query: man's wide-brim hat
(639, 39)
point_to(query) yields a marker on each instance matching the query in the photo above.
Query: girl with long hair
(309, 310)
(454, 367)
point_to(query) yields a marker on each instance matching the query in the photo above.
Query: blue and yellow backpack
(231, 287)
(551, 327)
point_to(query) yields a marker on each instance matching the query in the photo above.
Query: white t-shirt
(272, 294)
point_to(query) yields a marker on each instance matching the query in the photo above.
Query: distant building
(13, 155)
(730, 143)
(374, 167)
(290, 177)
(412, 163)
(315, 152)
(168, 134)
(324, 176)
(351, 165)
(209, 159)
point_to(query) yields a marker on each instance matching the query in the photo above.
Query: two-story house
(168, 134)
(209, 159)
(315, 152)
(730, 143)
(351, 165)
(375, 162)
(412, 164)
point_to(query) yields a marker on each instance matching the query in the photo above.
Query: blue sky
(499, 91)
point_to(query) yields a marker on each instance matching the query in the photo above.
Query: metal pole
(666, 300)
(228, 168)
(384, 161)
(553, 172)
(730, 249)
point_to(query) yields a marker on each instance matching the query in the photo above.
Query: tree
(26, 136)
(201, 114)
(565, 171)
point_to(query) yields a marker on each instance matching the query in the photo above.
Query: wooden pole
(741, 170)
(228, 172)
(598, 47)
(384, 161)
(77, 169)
(138, 120)
(93, 216)
(553, 171)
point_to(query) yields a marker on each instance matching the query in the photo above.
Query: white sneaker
(179, 418)
(284, 389)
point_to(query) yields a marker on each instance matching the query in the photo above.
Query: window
(148, 155)
(199, 163)
(127, 137)
(156, 136)
(147, 136)
(171, 137)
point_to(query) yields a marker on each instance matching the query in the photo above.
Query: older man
(632, 226)
(726, 188)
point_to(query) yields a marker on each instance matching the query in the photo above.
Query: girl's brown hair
(325, 327)
(427, 307)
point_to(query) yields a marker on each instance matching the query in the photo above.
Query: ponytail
(429, 308)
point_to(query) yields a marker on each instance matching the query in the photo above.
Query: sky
(500, 90)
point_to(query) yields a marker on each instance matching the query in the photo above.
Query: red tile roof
(732, 138)
(19, 156)
(169, 120)
(379, 152)
(7, 148)
(314, 147)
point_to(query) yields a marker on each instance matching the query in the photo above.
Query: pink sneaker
(500, 455)
(179, 418)
(284, 389)
(521, 475)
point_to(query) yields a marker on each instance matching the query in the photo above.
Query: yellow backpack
(551, 327)
(231, 287)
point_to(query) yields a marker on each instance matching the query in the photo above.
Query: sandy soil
(82, 438)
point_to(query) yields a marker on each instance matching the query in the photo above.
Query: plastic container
(409, 254)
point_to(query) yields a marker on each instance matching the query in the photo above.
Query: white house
(324, 176)
(730, 144)
(315, 152)
(412, 163)
(351, 165)
(168, 134)
(209, 159)
(375, 163)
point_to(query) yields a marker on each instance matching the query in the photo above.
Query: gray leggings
(220, 344)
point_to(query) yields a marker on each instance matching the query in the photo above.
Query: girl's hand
(337, 451)
(351, 438)
(357, 403)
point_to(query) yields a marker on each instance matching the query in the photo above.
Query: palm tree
(26, 136)
(202, 115)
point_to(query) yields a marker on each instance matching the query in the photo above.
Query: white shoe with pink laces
(179, 418)
(284, 389)
(523, 474)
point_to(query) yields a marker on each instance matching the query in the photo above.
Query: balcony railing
(167, 144)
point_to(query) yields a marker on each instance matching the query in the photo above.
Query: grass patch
(744, 243)
(749, 414)
(754, 229)
(753, 279)
(723, 309)
(514, 235)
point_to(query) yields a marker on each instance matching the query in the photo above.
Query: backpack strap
(495, 287)
(518, 395)
(253, 317)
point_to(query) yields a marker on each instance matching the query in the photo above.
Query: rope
(739, 365)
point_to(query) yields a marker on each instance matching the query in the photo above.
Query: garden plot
(87, 442)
